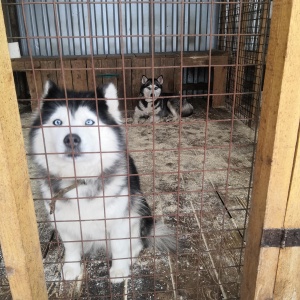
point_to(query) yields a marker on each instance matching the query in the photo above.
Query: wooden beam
(190, 59)
(219, 85)
(18, 228)
(275, 154)
(288, 273)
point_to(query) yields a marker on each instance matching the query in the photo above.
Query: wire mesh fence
(195, 171)
(247, 27)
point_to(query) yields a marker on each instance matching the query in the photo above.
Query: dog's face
(151, 89)
(80, 133)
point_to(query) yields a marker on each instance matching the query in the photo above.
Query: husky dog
(155, 108)
(79, 147)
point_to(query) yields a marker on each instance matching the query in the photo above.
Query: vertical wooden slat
(288, 273)
(125, 77)
(108, 68)
(67, 74)
(34, 81)
(93, 76)
(177, 75)
(275, 150)
(48, 70)
(79, 74)
(219, 86)
(90, 75)
(156, 63)
(168, 74)
(18, 229)
(138, 61)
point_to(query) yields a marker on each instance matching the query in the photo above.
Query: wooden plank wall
(271, 272)
(84, 73)
(18, 228)
(78, 74)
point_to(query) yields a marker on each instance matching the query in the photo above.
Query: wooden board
(168, 73)
(79, 73)
(124, 82)
(219, 85)
(275, 150)
(137, 73)
(64, 74)
(18, 229)
(35, 84)
(288, 273)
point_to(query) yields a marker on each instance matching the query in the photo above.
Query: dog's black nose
(72, 140)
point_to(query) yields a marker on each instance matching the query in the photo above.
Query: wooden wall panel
(78, 73)
(275, 156)
(18, 227)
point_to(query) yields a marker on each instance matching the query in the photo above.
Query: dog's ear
(110, 93)
(50, 90)
(144, 79)
(160, 79)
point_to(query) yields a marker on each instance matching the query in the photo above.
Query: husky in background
(80, 150)
(155, 108)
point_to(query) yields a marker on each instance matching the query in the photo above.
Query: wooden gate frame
(18, 228)
(274, 272)
(269, 273)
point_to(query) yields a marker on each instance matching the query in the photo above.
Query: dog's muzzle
(72, 143)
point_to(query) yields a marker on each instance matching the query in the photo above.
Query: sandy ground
(196, 178)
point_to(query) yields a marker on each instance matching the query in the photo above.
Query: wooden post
(219, 86)
(18, 228)
(288, 273)
(274, 176)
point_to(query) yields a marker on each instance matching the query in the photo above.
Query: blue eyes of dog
(150, 88)
(89, 122)
(58, 122)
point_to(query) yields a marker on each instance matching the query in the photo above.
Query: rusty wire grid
(196, 173)
(250, 50)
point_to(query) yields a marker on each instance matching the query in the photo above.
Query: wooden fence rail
(18, 228)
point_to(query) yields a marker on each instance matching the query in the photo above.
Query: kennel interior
(196, 173)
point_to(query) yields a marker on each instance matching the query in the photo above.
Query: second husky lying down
(79, 145)
(154, 108)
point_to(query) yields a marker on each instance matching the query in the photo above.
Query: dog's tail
(162, 238)
(187, 108)
(152, 233)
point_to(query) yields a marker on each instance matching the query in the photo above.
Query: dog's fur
(156, 105)
(99, 212)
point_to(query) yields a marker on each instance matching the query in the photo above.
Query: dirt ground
(197, 180)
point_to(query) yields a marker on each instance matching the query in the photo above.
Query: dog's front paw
(71, 271)
(118, 275)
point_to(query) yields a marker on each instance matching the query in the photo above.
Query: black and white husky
(153, 108)
(79, 147)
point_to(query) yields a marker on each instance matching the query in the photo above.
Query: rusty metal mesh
(196, 173)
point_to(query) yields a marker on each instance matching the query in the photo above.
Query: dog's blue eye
(156, 88)
(89, 122)
(57, 122)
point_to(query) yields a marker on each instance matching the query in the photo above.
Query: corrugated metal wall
(114, 27)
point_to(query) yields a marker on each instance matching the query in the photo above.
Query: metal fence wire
(195, 172)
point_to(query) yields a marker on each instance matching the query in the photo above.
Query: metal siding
(69, 22)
